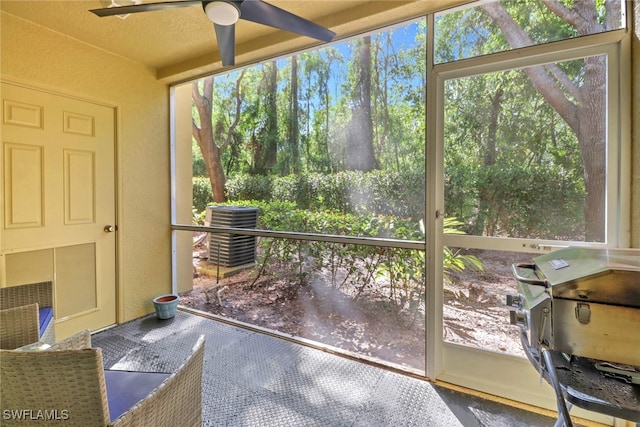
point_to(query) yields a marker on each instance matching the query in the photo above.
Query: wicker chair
(68, 384)
(13, 297)
(19, 326)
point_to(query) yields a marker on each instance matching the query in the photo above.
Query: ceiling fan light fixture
(222, 12)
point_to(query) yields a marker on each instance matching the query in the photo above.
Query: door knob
(110, 228)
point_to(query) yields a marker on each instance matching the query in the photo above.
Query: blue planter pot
(166, 305)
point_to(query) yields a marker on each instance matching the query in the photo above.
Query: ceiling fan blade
(226, 36)
(267, 14)
(144, 7)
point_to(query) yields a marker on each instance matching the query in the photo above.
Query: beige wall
(44, 59)
(635, 128)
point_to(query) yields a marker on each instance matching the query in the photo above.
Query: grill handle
(537, 282)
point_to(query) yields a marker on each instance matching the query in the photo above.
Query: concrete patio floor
(255, 379)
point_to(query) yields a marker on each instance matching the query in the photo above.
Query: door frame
(450, 362)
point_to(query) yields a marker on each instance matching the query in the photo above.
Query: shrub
(385, 193)
(202, 194)
(528, 201)
(246, 187)
(352, 268)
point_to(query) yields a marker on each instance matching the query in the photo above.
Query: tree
(265, 141)
(490, 154)
(213, 141)
(316, 73)
(398, 101)
(583, 107)
(292, 162)
(360, 152)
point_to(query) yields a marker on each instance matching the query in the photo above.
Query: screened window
(525, 156)
(332, 137)
(494, 26)
(329, 143)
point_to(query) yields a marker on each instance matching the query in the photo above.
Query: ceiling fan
(225, 13)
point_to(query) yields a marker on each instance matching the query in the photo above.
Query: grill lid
(610, 276)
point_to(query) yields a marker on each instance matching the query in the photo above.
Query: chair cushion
(126, 388)
(46, 314)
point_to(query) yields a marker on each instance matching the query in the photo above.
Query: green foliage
(527, 181)
(202, 194)
(274, 135)
(198, 217)
(389, 193)
(247, 187)
(470, 32)
(453, 261)
(354, 269)
(533, 201)
(198, 169)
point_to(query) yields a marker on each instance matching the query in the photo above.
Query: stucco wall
(44, 59)
(635, 126)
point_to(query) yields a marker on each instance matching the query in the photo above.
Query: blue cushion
(126, 388)
(46, 314)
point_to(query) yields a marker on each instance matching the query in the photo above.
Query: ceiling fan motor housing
(221, 12)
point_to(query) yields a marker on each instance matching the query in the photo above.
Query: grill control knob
(514, 300)
(518, 317)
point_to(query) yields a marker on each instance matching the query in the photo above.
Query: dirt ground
(474, 311)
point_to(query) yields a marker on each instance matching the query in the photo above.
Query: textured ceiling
(180, 43)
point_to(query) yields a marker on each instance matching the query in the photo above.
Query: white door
(58, 194)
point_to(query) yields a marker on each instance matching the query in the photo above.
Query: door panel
(24, 186)
(79, 187)
(28, 267)
(58, 195)
(76, 275)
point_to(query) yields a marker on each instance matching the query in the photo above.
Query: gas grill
(578, 310)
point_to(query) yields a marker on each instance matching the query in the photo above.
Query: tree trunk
(486, 221)
(271, 141)
(360, 152)
(212, 144)
(592, 137)
(294, 129)
(265, 143)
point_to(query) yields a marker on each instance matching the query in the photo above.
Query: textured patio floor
(254, 379)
